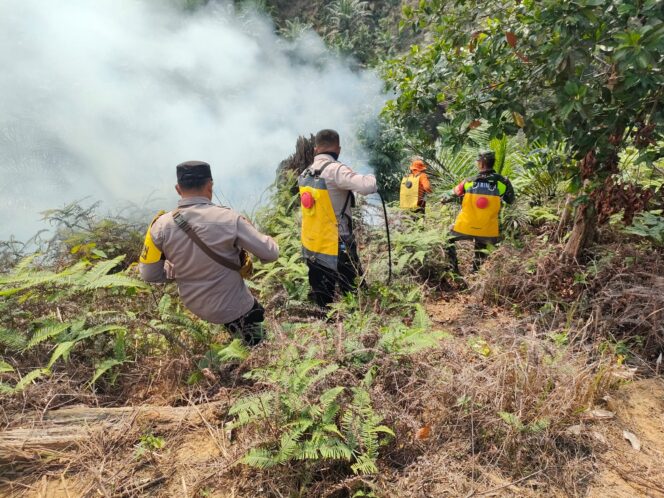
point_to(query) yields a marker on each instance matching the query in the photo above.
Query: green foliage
(234, 351)
(418, 244)
(288, 273)
(292, 29)
(585, 73)
(386, 157)
(5, 367)
(649, 225)
(349, 28)
(399, 339)
(12, 339)
(306, 421)
(148, 444)
(514, 422)
(28, 286)
(80, 277)
(80, 233)
(361, 426)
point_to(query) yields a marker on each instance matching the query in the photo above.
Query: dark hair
(488, 159)
(193, 183)
(327, 138)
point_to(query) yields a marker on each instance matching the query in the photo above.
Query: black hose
(389, 242)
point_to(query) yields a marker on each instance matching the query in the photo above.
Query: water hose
(389, 242)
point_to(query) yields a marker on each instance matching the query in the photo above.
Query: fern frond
(29, 378)
(113, 281)
(321, 374)
(102, 268)
(99, 329)
(252, 408)
(164, 304)
(62, 350)
(336, 449)
(364, 465)
(49, 331)
(5, 367)
(104, 367)
(12, 339)
(260, 458)
(235, 350)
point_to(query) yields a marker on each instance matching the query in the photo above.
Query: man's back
(340, 180)
(210, 290)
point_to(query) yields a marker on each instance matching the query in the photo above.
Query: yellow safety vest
(320, 229)
(480, 209)
(150, 252)
(410, 192)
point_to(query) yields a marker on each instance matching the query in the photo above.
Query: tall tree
(588, 72)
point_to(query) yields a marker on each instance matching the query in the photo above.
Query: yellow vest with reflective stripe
(320, 230)
(480, 209)
(410, 192)
(150, 252)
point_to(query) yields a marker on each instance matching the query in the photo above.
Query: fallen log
(59, 430)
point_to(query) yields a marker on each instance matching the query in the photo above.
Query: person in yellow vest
(326, 197)
(203, 247)
(414, 188)
(482, 197)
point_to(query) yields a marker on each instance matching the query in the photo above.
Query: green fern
(104, 367)
(30, 378)
(5, 367)
(234, 351)
(400, 339)
(12, 339)
(252, 409)
(50, 330)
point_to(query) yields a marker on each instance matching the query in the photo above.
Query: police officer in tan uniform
(207, 270)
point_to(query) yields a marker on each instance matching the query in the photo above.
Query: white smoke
(103, 98)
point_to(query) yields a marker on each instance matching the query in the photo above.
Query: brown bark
(565, 216)
(59, 430)
(583, 231)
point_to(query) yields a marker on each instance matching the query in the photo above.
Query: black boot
(452, 258)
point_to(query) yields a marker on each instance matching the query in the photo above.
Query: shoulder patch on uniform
(157, 216)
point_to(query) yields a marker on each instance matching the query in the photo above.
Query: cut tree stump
(59, 430)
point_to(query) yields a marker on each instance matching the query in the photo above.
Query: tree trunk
(59, 430)
(565, 216)
(583, 232)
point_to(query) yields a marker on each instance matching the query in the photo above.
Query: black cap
(488, 155)
(193, 170)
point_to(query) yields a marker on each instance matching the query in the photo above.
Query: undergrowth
(360, 400)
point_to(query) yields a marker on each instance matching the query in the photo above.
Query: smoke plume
(104, 98)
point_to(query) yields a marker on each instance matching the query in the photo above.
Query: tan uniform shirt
(210, 290)
(340, 179)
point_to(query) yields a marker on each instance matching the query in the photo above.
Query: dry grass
(458, 395)
(485, 413)
(617, 296)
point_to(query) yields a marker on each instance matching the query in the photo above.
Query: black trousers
(478, 258)
(324, 281)
(249, 326)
